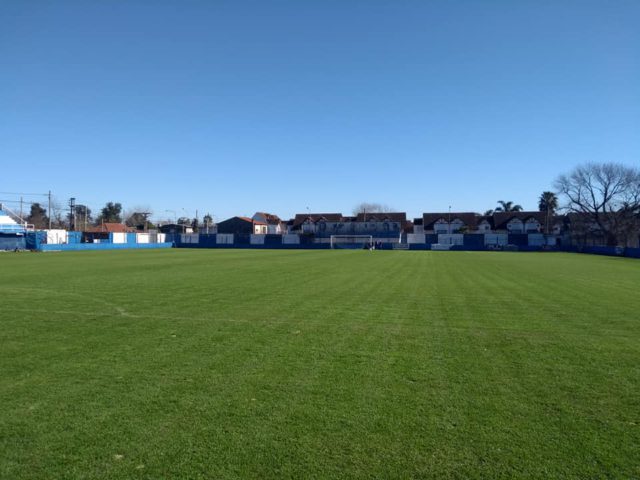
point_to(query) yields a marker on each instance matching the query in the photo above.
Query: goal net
(351, 241)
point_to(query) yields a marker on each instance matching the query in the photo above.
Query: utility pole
(144, 225)
(49, 210)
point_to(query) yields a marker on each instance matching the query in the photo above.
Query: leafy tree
(548, 203)
(207, 222)
(111, 213)
(607, 196)
(488, 213)
(38, 216)
(507, 207)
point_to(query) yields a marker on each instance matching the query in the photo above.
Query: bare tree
(606, 195)
(138, 216)
(371, 207)
(58, 214)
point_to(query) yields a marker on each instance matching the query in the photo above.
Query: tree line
(83, 216)
(601, 199)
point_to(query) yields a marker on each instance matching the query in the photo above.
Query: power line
(26, 202)
(22, 193)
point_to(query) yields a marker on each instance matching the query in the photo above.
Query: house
(103, 231)
(451, 222)
(275, 226)
(109, 227)
(324, 224)
(380, 224)
(175, 228)
(519, 222)
(242, 226)
(327, 224)
(485, 224)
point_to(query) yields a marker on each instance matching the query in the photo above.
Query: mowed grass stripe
(318, 364)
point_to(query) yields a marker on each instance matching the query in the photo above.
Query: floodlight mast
(72, 214)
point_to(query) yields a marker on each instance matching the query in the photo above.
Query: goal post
(351, 241)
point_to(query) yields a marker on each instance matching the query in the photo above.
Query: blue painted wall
(11, 242)
(74, 247)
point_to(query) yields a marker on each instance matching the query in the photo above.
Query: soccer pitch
(318, 364)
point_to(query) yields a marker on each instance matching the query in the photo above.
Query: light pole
(207, 224)
(449, 219)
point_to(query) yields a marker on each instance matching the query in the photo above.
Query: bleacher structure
(13, 229)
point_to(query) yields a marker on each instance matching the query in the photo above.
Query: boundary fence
(461, 242)
(455, 242)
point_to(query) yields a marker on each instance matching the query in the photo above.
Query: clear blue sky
(232, 106)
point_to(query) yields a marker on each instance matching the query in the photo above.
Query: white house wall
(484, 227)
(532, 225)
(515, 226)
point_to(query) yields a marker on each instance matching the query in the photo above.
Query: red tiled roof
(470, 219)
(251, 220)
(269, 218)
(381, 217)
(316, 217)
(110, 228)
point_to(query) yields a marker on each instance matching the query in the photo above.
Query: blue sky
(232, 107)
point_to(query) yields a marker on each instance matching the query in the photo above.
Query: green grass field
(318, 364)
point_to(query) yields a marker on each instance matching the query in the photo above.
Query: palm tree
(507, 207)
(548, 203)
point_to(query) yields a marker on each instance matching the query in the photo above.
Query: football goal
(351, 241)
